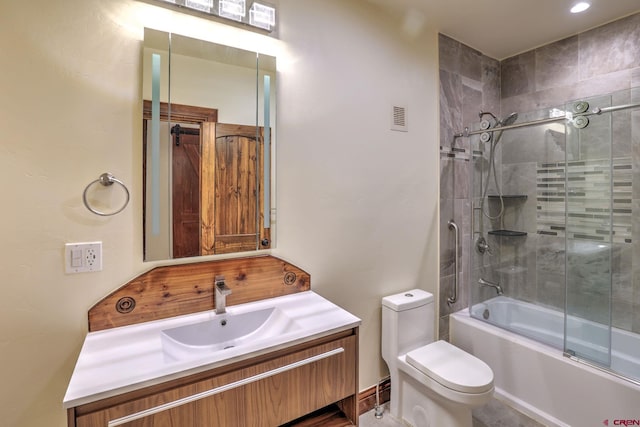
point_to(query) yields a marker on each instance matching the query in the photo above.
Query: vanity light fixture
(203, 5)
(580, 7)
(232, 9)
(262, 15)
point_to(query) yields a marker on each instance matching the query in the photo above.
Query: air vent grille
(399, 118)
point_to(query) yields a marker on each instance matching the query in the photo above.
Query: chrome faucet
(497, 286)
(222, 290)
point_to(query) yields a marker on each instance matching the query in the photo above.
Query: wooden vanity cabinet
(267, 390)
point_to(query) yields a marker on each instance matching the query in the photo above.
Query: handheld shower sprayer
(509, 120)
(493, 135)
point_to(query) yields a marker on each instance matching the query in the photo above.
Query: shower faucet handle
(483, 246)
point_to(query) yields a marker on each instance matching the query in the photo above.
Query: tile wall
(469, 83)
(596, 62)
(600, 61)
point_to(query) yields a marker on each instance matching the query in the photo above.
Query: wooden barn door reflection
(232, 207)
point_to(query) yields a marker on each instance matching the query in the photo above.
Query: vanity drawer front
(269, 393)
(312, 386)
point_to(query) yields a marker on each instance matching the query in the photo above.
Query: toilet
(433, 383)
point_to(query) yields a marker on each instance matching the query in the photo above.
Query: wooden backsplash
(188, 288)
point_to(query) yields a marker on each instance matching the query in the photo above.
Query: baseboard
(367, 397)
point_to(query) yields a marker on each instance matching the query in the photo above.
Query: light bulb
(580, 7)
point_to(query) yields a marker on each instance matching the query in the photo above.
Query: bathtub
(536, 378)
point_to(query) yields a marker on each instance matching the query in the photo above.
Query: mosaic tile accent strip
(477, 154)
(454, 153)
(587, 185)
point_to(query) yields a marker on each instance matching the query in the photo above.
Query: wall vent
(399, 118)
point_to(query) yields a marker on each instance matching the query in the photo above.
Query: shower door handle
(454, 294)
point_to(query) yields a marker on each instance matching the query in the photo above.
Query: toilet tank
(408, 322)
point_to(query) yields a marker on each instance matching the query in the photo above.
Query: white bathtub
(536, 378)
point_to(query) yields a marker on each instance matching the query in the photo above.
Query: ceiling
(503, 28)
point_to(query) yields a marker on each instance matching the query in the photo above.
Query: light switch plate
(83, 257)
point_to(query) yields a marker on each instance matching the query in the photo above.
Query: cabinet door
(222, 409)
(300, 391)
(175, 417)
(269, 393)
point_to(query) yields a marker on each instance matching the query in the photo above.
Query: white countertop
(128, 358)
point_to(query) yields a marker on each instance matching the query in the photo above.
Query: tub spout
(496, 286)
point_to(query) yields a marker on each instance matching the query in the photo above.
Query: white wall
(229, 88)
(357, 204)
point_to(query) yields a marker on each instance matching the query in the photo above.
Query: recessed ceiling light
(580, 7)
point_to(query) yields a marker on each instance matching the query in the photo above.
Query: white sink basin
(225, 331)
(120, 360)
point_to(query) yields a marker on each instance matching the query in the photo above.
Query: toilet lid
(452, 367)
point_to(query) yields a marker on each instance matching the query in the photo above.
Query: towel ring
(105, 179)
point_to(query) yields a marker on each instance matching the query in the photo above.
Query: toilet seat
(452, 367)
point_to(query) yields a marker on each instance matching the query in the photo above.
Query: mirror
(208, 134)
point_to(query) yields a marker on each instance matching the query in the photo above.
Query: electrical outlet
(83, 257)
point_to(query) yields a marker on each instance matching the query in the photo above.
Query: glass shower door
(518, 227)
(589, 186)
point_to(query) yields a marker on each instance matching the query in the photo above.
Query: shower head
(509, 120)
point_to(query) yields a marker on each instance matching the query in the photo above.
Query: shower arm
(595, 111)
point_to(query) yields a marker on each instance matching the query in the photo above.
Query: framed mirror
(208, 115)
